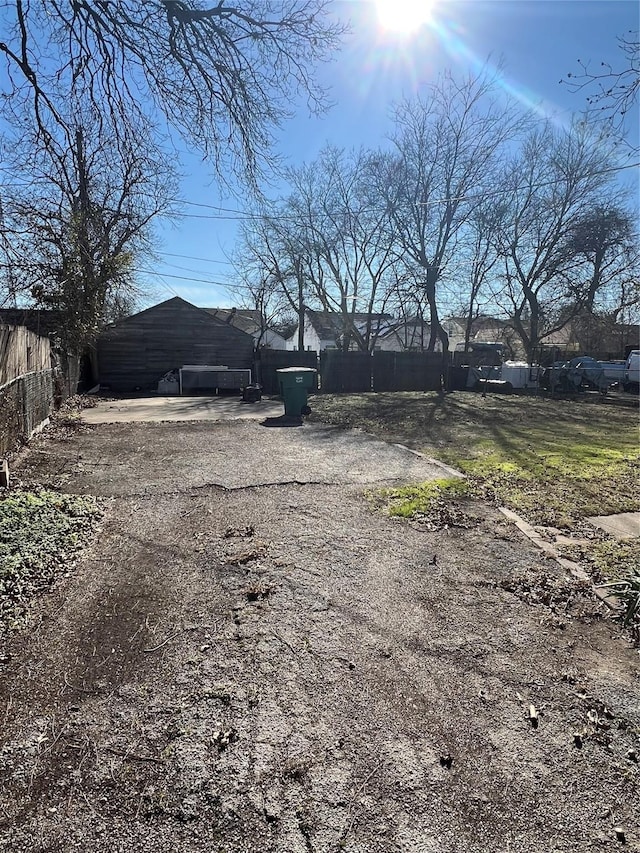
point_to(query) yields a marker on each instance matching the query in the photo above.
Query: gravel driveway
(250, 657)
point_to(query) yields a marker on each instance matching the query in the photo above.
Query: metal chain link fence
(25, 403)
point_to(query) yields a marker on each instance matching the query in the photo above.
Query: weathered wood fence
(354, 372)
(26, 384)
(22, 351)
(270, 360)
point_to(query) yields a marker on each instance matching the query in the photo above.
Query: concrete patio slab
(624, 525)
(167, 408)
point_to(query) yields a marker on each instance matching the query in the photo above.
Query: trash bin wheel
(305, 410)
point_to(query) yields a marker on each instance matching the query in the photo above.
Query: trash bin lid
(296, 370)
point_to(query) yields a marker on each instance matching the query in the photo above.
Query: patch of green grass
(407, 501)
(40, 533)
(555, 461)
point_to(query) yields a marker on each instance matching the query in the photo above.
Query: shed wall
(137, 352)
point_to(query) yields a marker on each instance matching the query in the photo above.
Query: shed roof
(199, 314)
(248, 319)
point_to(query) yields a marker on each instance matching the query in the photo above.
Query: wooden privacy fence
(269, 360)
(22, 351)
(356, 372)
(408, 371)
(345, 372)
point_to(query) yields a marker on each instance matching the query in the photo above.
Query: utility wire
(188, 278)
(234, 215)
(193, 258)
(241, 216)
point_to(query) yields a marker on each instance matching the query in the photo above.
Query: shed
(135, 353)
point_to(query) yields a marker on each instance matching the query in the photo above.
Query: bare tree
(408, 303)
(548, 189)
(605, 243)
(604, 282)
(223, 75)
(479, 260)
(261, 294)
(269, 261)
(79, 227)
(611, 93)
(447, 148)
(346, 246)
(327, 245)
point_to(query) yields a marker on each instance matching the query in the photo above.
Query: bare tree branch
(224, 76)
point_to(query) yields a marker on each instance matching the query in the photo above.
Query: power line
(244, 216)
(188, 278)
(193, 258)
(184, 269)
(166, 286)
(229, 214)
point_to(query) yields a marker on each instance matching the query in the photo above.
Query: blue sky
(538, 41)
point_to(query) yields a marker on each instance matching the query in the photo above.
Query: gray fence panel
(268, 361)
(407, 371)
(345, 372)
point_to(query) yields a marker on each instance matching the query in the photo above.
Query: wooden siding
(22, 351)
(136, 352)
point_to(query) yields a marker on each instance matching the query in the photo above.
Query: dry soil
(251, 657)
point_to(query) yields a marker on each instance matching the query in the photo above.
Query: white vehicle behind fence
(631, 380)
(614, 371)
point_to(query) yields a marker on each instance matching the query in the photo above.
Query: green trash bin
(295, 383)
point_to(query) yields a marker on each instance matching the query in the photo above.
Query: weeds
(627, 591)
(40, 534)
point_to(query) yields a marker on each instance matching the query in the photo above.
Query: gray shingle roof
(329, 325)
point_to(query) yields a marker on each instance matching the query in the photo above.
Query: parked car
(631, 380)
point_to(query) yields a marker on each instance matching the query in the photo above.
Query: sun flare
(403, 16)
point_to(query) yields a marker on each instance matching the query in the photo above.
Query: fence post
(24, 426)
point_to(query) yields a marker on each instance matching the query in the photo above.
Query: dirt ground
(250, 657)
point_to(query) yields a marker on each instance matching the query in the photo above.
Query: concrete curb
(547, 548)
(452, 472)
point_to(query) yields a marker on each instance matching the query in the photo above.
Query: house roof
(411, 325)
(483, 322)
(329, 325)
(248, 319)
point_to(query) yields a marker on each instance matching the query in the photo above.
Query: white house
(410, 335)
(484, 329)
(252, 322)
(326, 329)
